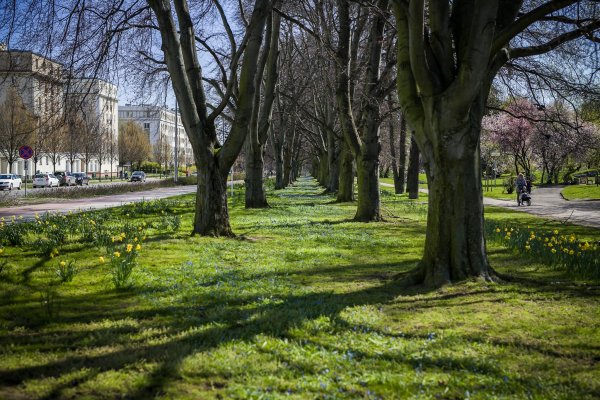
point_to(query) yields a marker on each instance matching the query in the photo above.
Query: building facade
(160, 124)
(96, 103)
(50, 98)
(38, 82)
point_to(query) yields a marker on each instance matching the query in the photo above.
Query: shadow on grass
(224, 320)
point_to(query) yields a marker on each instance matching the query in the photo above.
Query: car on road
(81, 178)
(138, 176)
(10, 181)
(66, 178)
(45, 180)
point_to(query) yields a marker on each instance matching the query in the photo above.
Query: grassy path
(303, 304)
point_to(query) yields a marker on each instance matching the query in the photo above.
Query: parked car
(45, 180)
(138, 176)
(10, 181)
(66, 179)
(81, 178)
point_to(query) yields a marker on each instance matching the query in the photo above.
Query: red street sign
(25, 152)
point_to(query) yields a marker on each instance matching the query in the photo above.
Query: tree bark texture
(400, 182)
(346, 176)
(413, 170)
(258, 134)
(333, 155)
(365, 148)
(455, 244)
(212, 215)
(213, 162)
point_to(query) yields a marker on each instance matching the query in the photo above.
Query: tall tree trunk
(365, 148)
(454, 245)
(287, 166)
(212, 214)
(278, 155)
(179, 49)
(323, 176)
(261, 122)
(346, 177)
(401, 159)
(255, 195)
(412, 184)
(333, 153)
(398, 164)
(367, 169)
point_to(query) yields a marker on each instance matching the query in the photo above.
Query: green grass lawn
(581, 192)
(303, 304)
(496, 192)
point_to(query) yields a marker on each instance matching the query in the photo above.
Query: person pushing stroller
(523, 190)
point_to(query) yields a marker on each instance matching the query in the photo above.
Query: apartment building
(96, 102)
(38, 82)
(160, 124)
(49, 97)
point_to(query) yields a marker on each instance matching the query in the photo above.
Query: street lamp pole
(176, 163)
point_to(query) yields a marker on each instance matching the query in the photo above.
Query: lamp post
(176, 146)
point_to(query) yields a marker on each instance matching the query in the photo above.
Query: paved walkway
(548, 203)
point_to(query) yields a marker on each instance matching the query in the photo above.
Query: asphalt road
(30, 190)
(75, 205)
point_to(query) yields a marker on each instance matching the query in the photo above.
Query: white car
(10, 181)
(45, 180)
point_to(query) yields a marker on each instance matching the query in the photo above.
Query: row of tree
(319, 77)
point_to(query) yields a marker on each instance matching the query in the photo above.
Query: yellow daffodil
(101, 260)
(138, 247)
(129, 248)
(553, 251)
(527, 247)
(497, 230)
(117, 254)
(62, 263)
(556, 231)
(571, 252)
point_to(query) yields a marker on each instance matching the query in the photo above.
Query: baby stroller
(524, 196)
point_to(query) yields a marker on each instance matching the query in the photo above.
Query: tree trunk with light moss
(213, 162)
